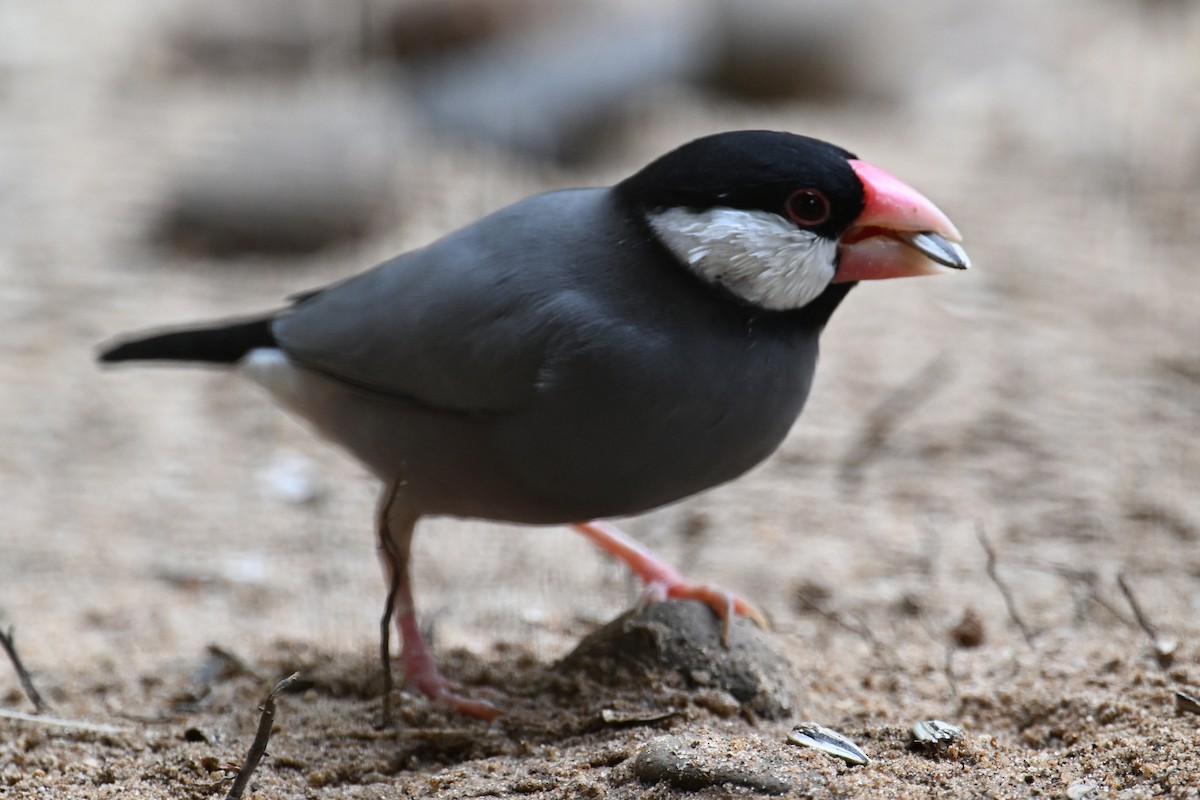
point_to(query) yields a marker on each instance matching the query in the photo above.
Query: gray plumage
(548, 383)
(588, 353)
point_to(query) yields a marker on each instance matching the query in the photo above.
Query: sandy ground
(1049, 399)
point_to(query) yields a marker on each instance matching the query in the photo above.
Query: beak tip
(938, 249)
(964, 260)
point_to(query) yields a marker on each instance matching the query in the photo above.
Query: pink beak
(898, 234)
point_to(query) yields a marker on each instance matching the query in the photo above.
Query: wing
(469, 322)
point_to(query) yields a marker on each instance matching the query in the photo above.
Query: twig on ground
(1086, 578)
(1143, 621)
(856, 626)
(10, 647)
(948, 654)
(1164, 647)
(948, 668)
(1009, 602)
(389, 606)
(258, 748)
(57, 722)
(218, 665)
(233, 662)
(886, 416)
(385, 644)
(1186, 703)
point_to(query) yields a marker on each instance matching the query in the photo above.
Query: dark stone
(195, 735)
(558, 91)
(266, 37)
(697, 761)
(679, 643)
(420, 29)
(292, 177)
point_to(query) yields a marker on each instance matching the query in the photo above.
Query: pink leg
(420, 671)
(662, 581)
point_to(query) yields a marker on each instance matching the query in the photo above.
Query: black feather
(225, 343)
(754, 170)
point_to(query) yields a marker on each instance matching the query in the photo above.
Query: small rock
(771, 50)
(699, 760)
(721, 703)
(678, 642)
(418, 29)
(557, 91)
(294, 177)
(777, 49)
(969, 630)
(1084, 790)
(195, 735)
(1164, 651)
(810, 596)
(231, 36)
(292, 478)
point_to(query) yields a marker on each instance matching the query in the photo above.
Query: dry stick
(1142, 620)
(948, 659)
(1009, 602)
(389, 607)
(10, 647)
(58, 722)
(884, 418)
(1083, 577)
(258, 748)
(235, 661)
(385, 640)
(1164, 649)
(948, 669)
(857, 627)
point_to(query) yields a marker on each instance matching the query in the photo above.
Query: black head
(773, 219)
(805, 179)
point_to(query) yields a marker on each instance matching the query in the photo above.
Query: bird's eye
(807, 207)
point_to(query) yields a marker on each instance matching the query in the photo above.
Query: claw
(420, 670)
(480, 709)
(422, 675)
(662, 581)
(724, 603)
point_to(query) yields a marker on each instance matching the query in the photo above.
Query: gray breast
(659, 405)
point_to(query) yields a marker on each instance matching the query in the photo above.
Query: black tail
(224, 343)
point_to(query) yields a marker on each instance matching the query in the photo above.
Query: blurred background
(170, 161)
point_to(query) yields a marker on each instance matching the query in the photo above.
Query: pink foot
(421, 674)
(662, 581)
(395, 525)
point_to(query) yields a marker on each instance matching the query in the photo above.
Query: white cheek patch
(759, 256)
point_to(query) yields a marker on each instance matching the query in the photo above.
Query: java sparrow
(588, 353)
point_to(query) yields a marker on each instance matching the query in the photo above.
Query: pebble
(232, 37)
(292, 478)
(557, 91)
(699, 760)
(679, 642)
(292, 176)
(1084, 790)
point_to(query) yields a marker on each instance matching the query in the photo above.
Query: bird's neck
(817, 312)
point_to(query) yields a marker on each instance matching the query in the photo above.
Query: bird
(583, 354)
